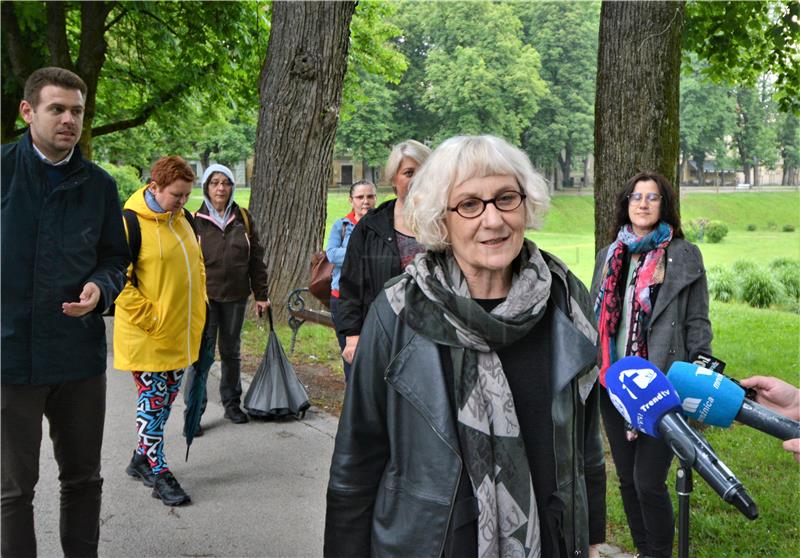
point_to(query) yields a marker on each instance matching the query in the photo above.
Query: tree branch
(57, 36)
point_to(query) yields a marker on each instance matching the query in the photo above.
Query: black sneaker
(235, 415)
(169, 490)
(139, 468)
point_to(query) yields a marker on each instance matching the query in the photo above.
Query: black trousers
(340, 338)
(76, 413)
(642, 467)
(225, 328)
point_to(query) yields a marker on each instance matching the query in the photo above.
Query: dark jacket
(234, 259)
(54, 241)
(679, 327)
(397, 464)
(372, 259)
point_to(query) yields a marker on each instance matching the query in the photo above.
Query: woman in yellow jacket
(159, 316)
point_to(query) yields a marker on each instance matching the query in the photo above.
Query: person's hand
(90, 296)
(794, 447)
(775, 394)
(350, 348)
(261, 306)
(594, 551)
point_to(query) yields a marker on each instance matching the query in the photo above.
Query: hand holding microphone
(711, 398)
(781, 397)
(646, 399)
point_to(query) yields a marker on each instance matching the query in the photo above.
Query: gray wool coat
(679, 327)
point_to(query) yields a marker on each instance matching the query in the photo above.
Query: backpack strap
(134, 239)
(246, 219)
(189, 217)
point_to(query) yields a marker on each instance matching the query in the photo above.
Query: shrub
(126, 177)
(694, 230)
(789, 278)
(751, 227)
(743, 267)
(780, 263)
(772, 225)
(722, 284)
(715, 231)
(788, 228)
(759, 289)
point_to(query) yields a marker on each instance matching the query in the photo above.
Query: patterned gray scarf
(432, 297)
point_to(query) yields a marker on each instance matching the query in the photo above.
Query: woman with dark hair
(362, 198)
(651, 300)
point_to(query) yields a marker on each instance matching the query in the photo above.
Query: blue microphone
(711, 398)
(646, 399)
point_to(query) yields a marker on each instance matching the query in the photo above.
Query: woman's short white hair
(456, 160)
(409, 148)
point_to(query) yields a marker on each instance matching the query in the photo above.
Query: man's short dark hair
(51, 76)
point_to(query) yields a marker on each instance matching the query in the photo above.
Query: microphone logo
(691, 404)
(642, 377)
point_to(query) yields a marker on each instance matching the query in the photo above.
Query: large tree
(755, 136)
(301, 92)
(636, 104)
(138, 59)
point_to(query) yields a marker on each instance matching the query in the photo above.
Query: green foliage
(743, 267)
(126, 177)
(755, 136)
(565, 34)
(789, 278)
(715, 231)
(707, 115)
(743, 41)
(750, 227)
(788, 228)
(759, 288)
(722, 284)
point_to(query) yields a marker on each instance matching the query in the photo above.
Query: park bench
(300, 314)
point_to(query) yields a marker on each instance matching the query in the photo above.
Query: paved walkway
(257, 489)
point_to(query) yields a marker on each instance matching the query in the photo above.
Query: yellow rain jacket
(158, 323)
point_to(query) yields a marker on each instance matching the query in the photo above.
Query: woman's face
(174, 196)
(488, 243)
(219, 190)
(362, 200)
(644, 213)
(405, 172)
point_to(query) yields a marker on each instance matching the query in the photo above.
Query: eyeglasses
(471, 208)
(636, 198)
(215, 183)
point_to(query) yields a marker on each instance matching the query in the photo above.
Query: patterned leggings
(157, 391)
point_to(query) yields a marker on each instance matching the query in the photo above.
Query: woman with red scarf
(362, 199)
(651, 300)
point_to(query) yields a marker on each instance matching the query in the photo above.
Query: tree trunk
(565, 162)
(300, 91)
(636, 104)
(586, 172)
(756, 174)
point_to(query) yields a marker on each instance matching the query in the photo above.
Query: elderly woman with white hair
(380, 247)
(470, 424)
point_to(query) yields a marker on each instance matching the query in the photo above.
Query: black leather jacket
(396, 464)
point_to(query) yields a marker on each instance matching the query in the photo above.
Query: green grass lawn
(751, 341)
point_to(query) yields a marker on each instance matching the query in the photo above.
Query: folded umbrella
(197, 391)
(275, 391)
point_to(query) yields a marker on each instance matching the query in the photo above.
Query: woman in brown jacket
(234, 260)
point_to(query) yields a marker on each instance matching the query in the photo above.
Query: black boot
(169, 490)
(234, 414)
(139, 468)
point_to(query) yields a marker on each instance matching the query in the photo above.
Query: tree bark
(300, 91)
(636, 103)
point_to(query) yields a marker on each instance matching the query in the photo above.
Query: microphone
(711, 398)
(645, 398)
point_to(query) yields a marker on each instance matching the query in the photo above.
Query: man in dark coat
(64, 256)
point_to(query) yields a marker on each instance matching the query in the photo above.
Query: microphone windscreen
(706, 396)
(641, 393)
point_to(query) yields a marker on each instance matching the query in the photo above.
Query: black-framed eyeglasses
(471, 208)
(637, 197)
